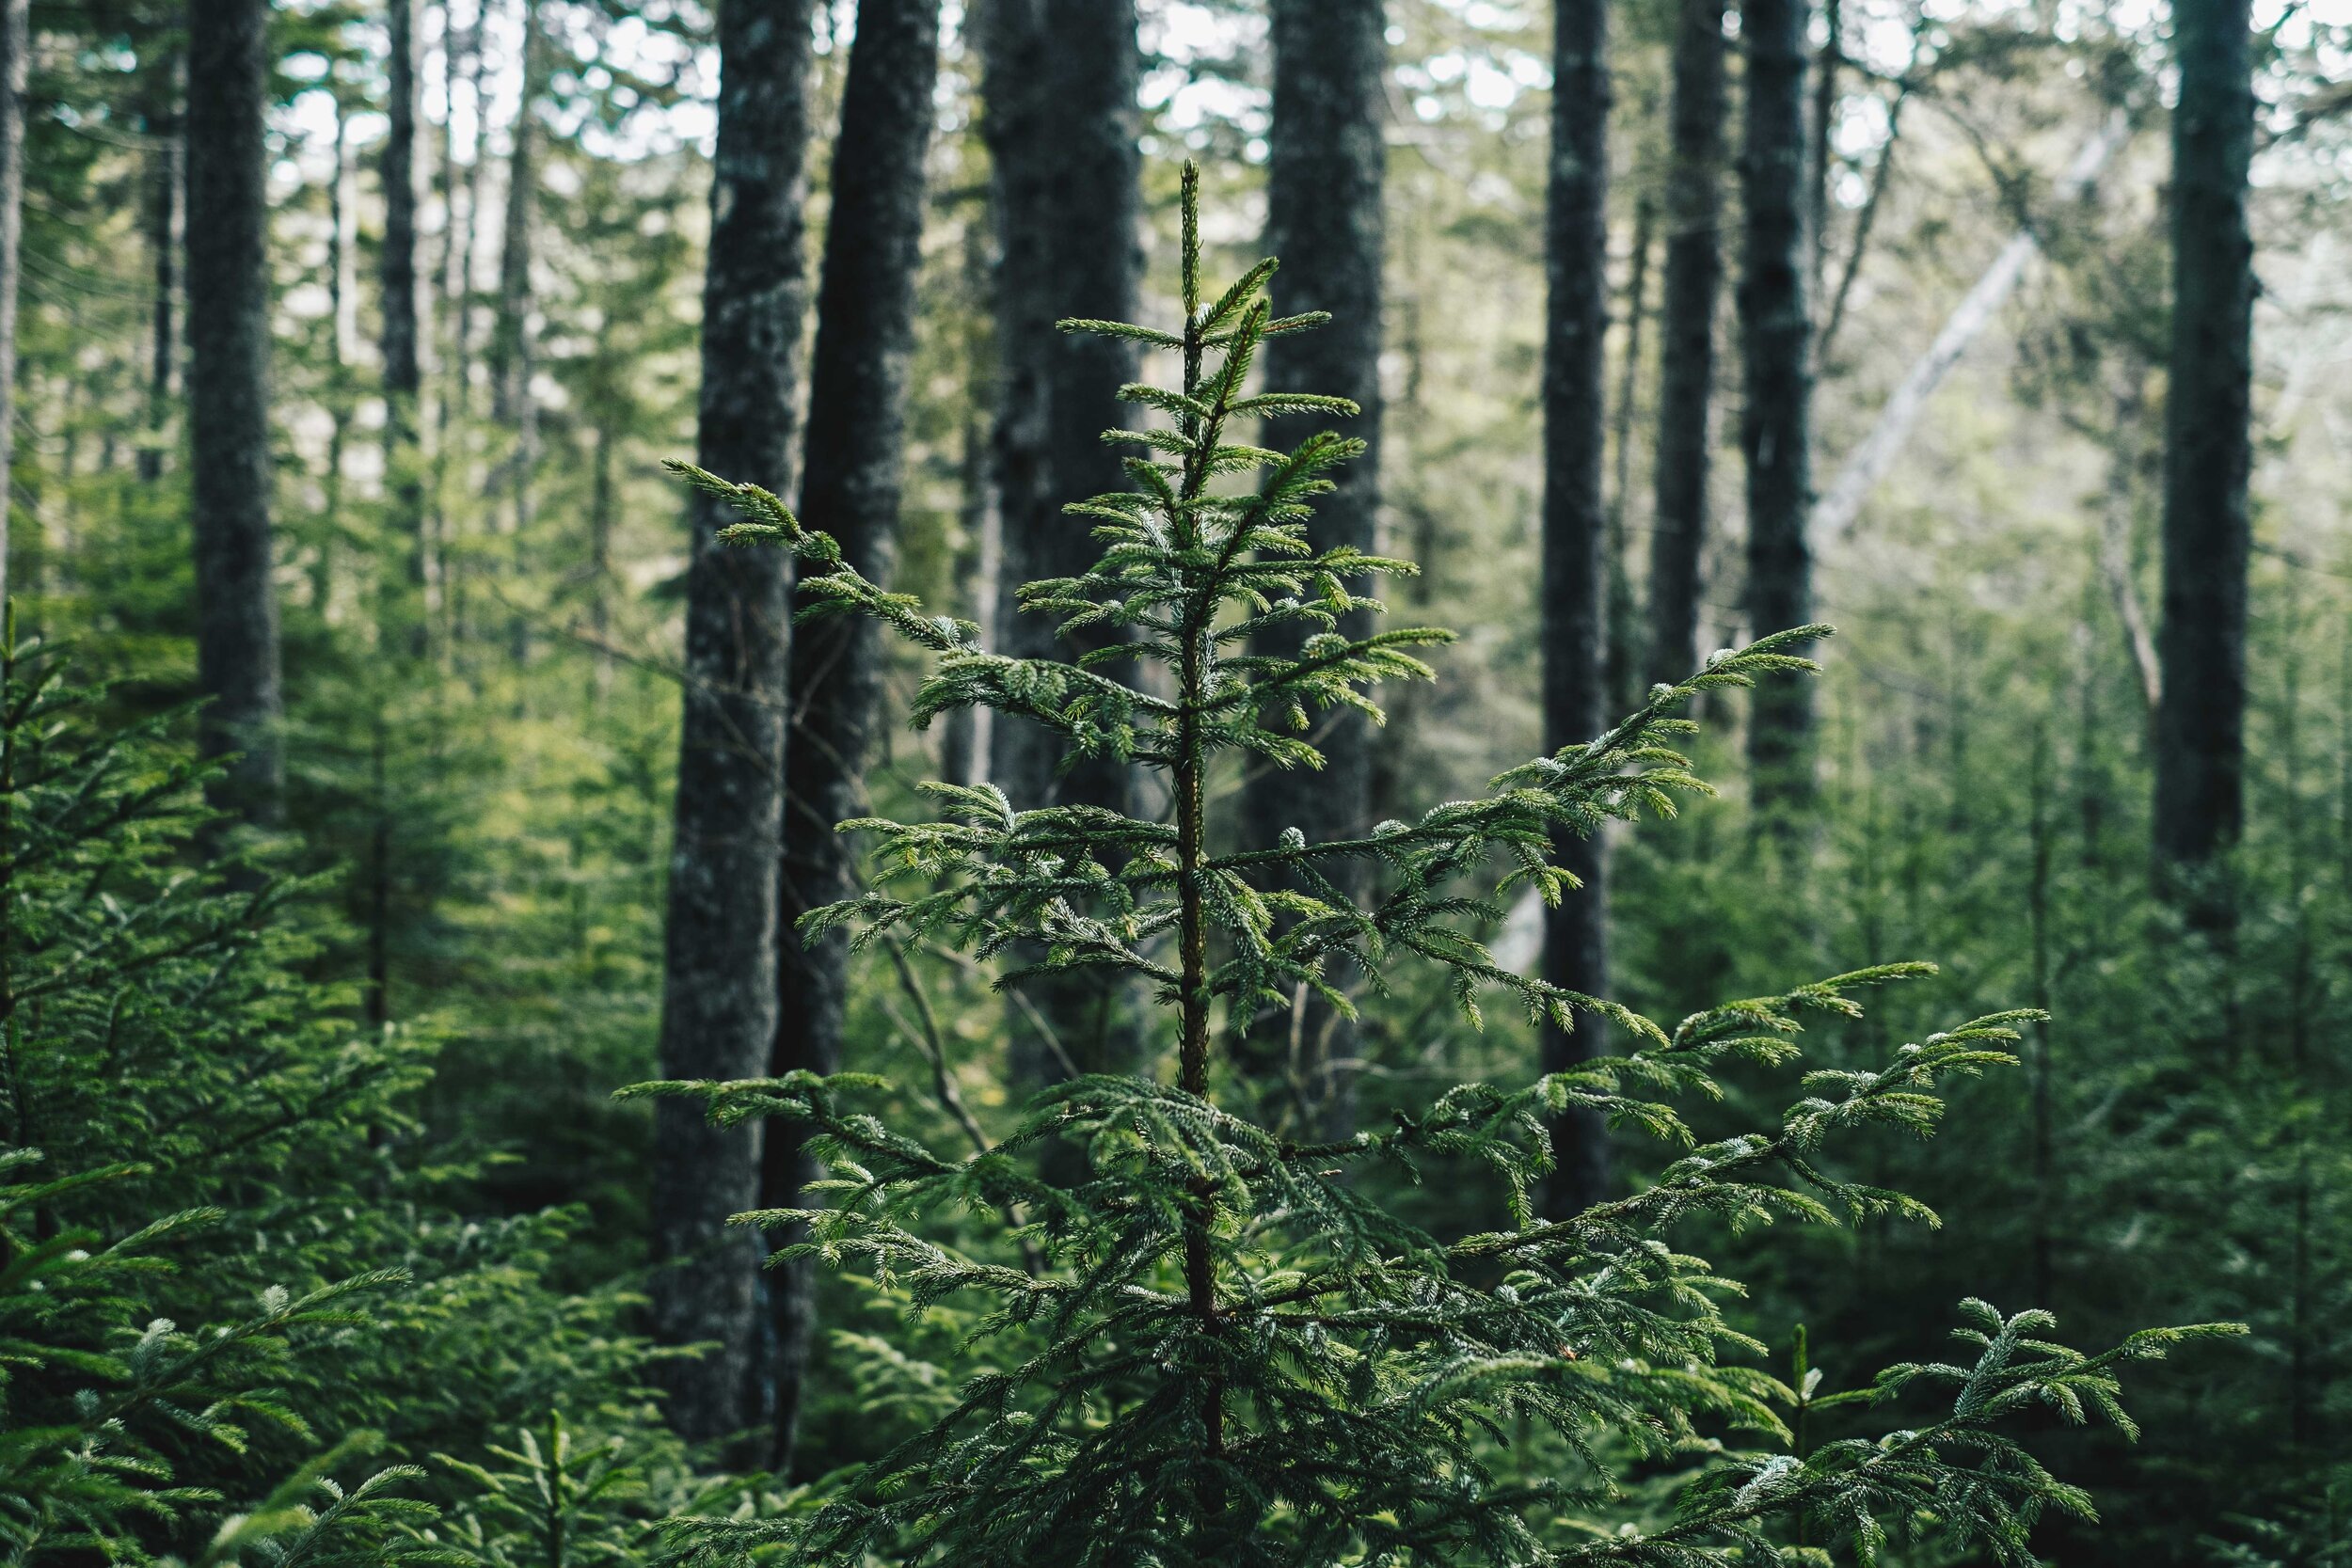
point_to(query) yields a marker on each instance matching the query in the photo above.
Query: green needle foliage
(1241, 1357)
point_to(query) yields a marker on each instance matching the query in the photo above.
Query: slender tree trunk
(1324, 177)
(514, 344)
(229, 406)
(341, 288)
(604, 505)
(849, 486)
(402, 379)
(1575, 569)
(2201, 724)
(162, 222)
(1777, 430)
(1061, 79)
(508, 353)
(1686, 362)
(1822, 151)
(965, 746)
(1625, 662)
(719, 992)
(14, 42)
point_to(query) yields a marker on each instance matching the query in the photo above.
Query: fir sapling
(1241, 1356)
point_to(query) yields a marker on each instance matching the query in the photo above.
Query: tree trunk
(229, 406)
(1822, 151)
(849, 486)
(403, 382)
(1324, 174)
(14, 42)
(1625, 662)
(509, 352)
(1776, 425)
(1686, 365)
(1576, 526)
(160, 121)
(719, 991)
(513, 341)
(1061, 79)
(2199, 796)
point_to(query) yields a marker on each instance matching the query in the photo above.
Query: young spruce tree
(1246, 1359)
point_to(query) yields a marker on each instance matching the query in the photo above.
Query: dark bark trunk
(339, 289)
(2200, 794)
(510, 346)
(403, 479)
(161, 220)
(1776, 423)
(1626, 657)
(719, 992)
(1824, 124)
(964, 748)
(1062, 124)
(1686, 361)
(229, 406)
(14, 42)
(1574, 537)
(849, 488)
(1324, 179)
(515, 343)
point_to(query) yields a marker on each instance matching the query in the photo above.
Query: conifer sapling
(1242, 1357)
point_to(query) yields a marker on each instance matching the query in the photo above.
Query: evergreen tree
(1241, 1357)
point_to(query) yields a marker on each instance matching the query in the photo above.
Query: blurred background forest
(457, 625)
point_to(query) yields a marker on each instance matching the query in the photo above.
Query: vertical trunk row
(2200, 720)
(1776, 424)
(1575, 538)
(1686, 367)
(850, 487)
(1061, 79)
(229, 406)
(718, 990)
(1324, 177)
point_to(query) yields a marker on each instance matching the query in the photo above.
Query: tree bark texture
(2200, 721)
(850, 487)
(237, 668)
(1776, 424)
(1324, 177)
(1575, 542)
(1686, 355)
(1061, 79)
(719, 991)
